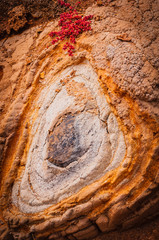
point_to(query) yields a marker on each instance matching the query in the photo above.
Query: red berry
(72, 24)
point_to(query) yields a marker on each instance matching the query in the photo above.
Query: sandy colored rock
(79, 135)
(102, 223)
(88, 233)
(17, 18)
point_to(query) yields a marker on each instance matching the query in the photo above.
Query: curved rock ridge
(79, 136)
(90, 141)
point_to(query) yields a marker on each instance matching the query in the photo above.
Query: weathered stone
(57, 221)
(6, 236)
(54, 236)
(71, 237)
(63, 141)
(132, 222)
(9, 182)
(2, 228)
(90, 148)
(117, 214)
(42, 235)
(87, 233)
(102, 223)
(72, 229)
(17, 18)
(157, 177)
(100, 2)
(83, 223)
(149, 209)
(96, 201)
(41, 227)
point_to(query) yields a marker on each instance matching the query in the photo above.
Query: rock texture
(79, 135)
(17, 15)
(75, 137)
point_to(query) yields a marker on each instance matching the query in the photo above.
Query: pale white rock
(95, 142)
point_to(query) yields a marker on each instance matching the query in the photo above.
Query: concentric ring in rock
(75, 140)
(106, 178)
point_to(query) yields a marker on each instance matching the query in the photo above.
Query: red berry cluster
(72, 24)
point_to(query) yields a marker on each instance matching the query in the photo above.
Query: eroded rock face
(17, 19)
(79, 136)
(75, 140)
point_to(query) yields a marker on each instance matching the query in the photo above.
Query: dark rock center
(64, 142)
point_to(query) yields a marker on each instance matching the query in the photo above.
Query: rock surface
(79, 151)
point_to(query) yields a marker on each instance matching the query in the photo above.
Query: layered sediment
(79, 135)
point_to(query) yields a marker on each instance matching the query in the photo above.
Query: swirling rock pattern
(75, 137)
(79, 136)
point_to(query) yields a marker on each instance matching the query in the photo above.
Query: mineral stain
(64, 142)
